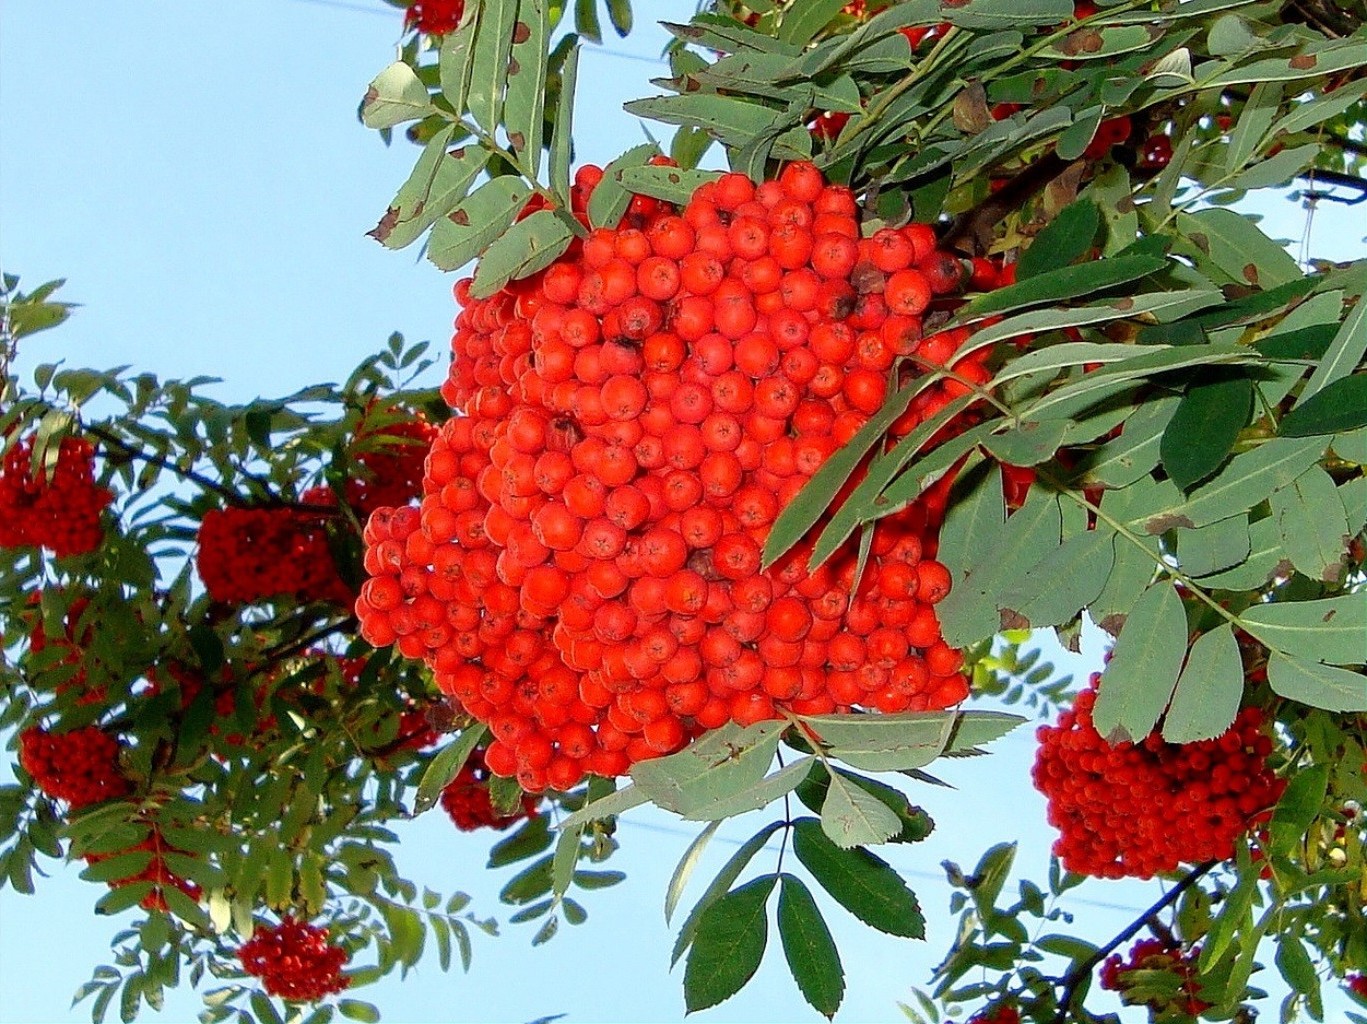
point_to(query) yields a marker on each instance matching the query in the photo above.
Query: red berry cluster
(80, 766)
(72, 646)
(391, 471)
(1156, 955)
(466, 800)
(584, 572)
(295, 961)
(1357, 984)
(1140, 809)
(156, 872)
(248, 555)
(60, 512)
(435, 17)
(1002, 1013)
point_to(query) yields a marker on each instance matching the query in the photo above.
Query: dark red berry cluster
(466, 800)
(1357, 984)
(1156, 955)
(248, 555)
(80, 766)
(1001, 1013)
(1140, 809)
(435, 17)
(156, 872)
(60, 511)
(584, 572)
(295, 961)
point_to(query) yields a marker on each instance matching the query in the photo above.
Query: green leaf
(118, 867)
(973, 729)
(970, 613)
(454, 59)
(439, 181)
(852, 817)
(1338, 407)
(1320, 108)
(1066, 239)
(733, 122)
(1215, 547)
(477, 222)
(586, 20)
(1065, 283)
(445, 766)
(729, 945)
(1321, 686)
(532, 838)
(922, 732)
(1205, 426)
(1123, 460)
(1062, 583)
(1277, 169)
(859, 881)
(619, 13)
(1298, 807)
(1263, 559)
(816, 496)
(118, 900)
(1138, 683)
(531, 244)
(354, 1009)
(614, 803)
(672, 184)
(562, 138)
(808, 947)
(1296, 967)
(804, 19)
(1329, 630)
(684, 871)
(1029, 443)
(489, 61)
(723, 763)
(1208, 691)
(524, 108)
(1000, 14)
(1235, 245)
(730, 871)
(396, 95)
(610, 197)
(1313, 525)
(1313, 60)
(761, 794)
(1245, 481)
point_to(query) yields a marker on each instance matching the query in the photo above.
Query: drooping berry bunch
(1139, 809)
(80, 766)
(435, 17)
(295, 961)
(1156, 955)
(466, 800)
(584, 572)
(60, 511)
(248, 555)
(157, 872)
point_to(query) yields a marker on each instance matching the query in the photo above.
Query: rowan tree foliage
(760, 454)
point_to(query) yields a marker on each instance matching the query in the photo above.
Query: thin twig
(151, 458)
(1074, 978)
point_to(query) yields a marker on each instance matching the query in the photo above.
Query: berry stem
(1074, 978)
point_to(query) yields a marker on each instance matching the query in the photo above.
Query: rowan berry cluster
(156, 872)
(435, 17)
(248, 555)
(466, 800)
(295, 961)
(1140, 809)
(60, 511)
(1156, 955)
(1357, 984)
(584, 572)
(1002, 1013)
(80, 766)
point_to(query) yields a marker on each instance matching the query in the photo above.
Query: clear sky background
(198, 174)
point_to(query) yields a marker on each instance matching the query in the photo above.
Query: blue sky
(198, 174)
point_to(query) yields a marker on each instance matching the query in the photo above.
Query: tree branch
(974, 227)
(1075, 977)
(132, 451)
